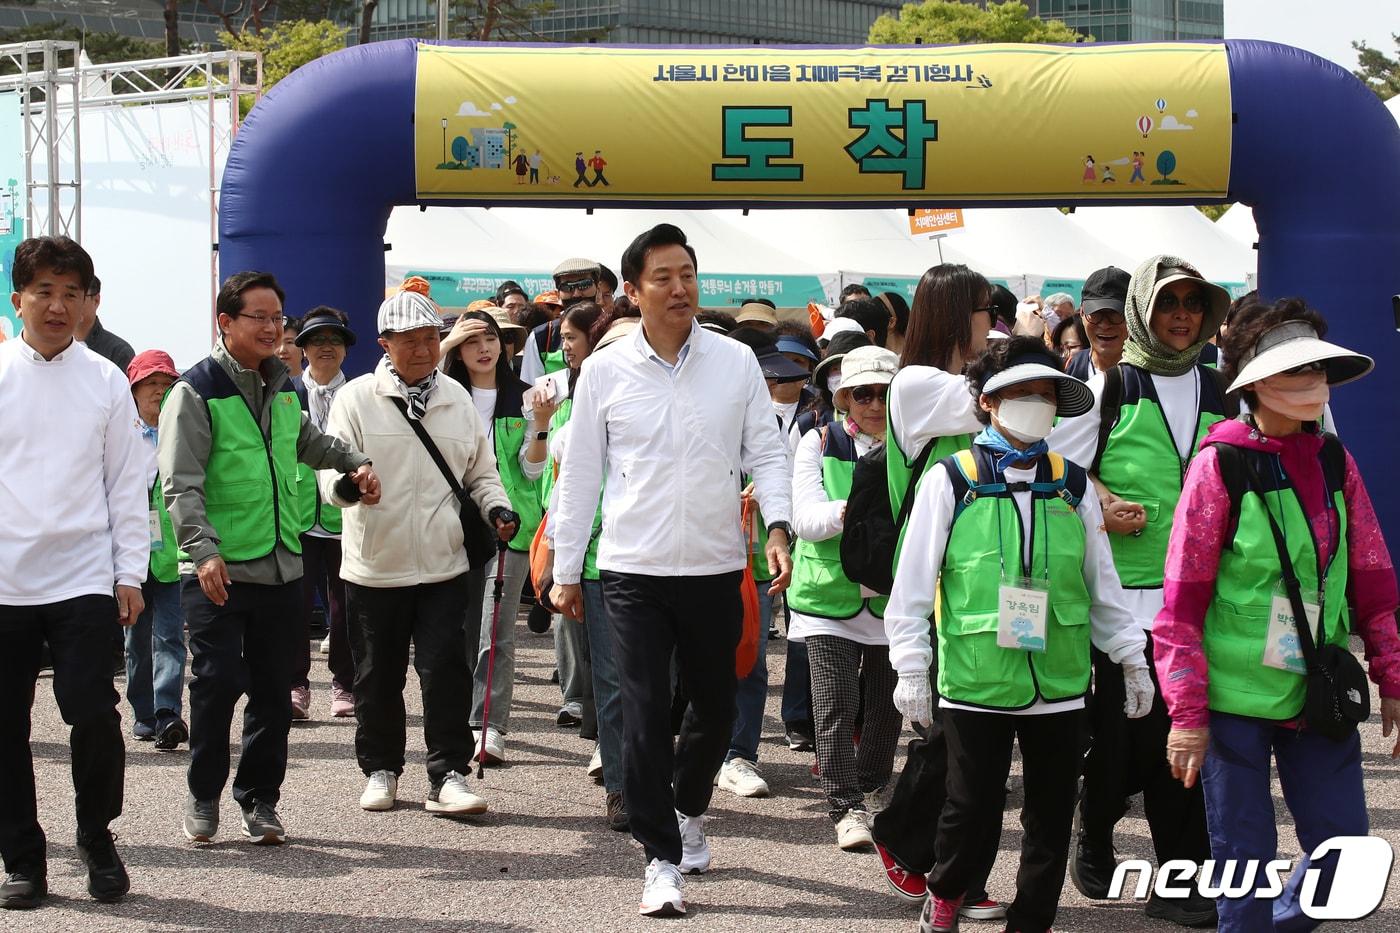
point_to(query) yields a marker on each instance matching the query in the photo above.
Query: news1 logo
(1362, 872)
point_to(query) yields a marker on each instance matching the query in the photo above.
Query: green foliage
(288, 45)
(100, 46)
(1380, 72)
(949, 22)
(1214, 211)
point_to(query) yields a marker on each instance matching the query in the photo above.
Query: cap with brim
(407, 311)
(793, 345)
(577, 267)
(617, 330)
(317, 323)
(1295, 343)
(149, 363)
(864, 366)
(754, 311)
(841, 325)
(779, 368)
(1219, 297)
(502, 318)
(1072, 396)
(548, 298)
(1106, 289)
(840, 345)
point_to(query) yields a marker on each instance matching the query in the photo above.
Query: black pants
(320, 560)
(699, 619)
(78, 632)
(1129, 756)
(383, 622)
(241, 647)
(979, 757)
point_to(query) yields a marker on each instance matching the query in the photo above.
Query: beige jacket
(414, 534)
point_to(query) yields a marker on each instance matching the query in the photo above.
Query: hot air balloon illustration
(1161, 105)
(1144, 125)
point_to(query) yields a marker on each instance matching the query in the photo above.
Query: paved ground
(542, 859)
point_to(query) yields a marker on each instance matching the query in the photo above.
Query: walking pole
(491, 655)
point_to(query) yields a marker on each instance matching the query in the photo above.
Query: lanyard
(1181, 461)
(1026, 568)
(1333, 530)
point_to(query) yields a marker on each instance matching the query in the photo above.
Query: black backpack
(871, 531)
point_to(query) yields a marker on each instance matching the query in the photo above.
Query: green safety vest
(250, 481)
(1136, 462)
(899, 470)
(972, 669)
(549, 341)
(1237, 622)
(819, 585)
(509, 429)
(165, 562)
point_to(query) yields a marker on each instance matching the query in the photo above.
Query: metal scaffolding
(46, 77)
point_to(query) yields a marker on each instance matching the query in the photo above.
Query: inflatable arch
(321, 162)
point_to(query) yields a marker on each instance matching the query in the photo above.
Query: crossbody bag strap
(432, 449)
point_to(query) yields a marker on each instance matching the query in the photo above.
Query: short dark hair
(530, 316)
(607, 277)
(1250, 323)
(1057, 336)
(997, 357)
(58, 253)
(760, 301)
(634, 258)
(622, 309)
(1005, 302)
(720, 318)
(94, 287)
(900, 308)
(292, 325)
(855, 289)
(507, 288)
(230, 300)
(940, 322)
(324, 310)
(871, 314)
(800, 332)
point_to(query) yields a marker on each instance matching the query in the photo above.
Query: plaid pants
(848, 678)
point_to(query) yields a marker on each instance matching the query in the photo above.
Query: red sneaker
(987, 909)
(816, 769)
(908, 886)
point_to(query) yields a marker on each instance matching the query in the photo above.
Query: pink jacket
(1199, 532)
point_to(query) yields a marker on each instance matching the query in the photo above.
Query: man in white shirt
(674, 417)
(74, 543)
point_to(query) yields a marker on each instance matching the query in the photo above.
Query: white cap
(407, 311)
(1295, 343)
(865, 366)
(1073, 397)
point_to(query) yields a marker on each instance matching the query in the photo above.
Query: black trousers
(979, 757)
(383, 622)
(1129, 756)
(320, 561)
(78, 632)
(241, 647)
(699, 619)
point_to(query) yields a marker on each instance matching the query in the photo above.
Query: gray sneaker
(262, 827)
(201, 819)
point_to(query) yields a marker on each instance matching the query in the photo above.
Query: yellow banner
(896, 125)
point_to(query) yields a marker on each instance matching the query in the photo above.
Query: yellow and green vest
(509, 435)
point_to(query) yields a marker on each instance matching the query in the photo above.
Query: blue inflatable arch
(321, 162)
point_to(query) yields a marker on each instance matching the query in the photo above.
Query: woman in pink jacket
(1228, 659)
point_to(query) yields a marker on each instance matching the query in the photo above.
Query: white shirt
(674, 444)
(912, 600)
(925, 403)
(818, 518)
(74, 477)
(531, 367)
(485, 402)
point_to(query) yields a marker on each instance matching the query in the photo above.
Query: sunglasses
(1106, 316)
(1317, 366)
(864, 395)
(574, 288)
(326, 340)
(1194, 303)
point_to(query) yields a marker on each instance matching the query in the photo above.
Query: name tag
(153, 524)
(1022, 608)
(1282, 650)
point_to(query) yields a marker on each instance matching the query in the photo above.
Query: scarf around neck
(320, 396)
(1008, 454)
(418, 394)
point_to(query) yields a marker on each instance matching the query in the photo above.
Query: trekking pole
(496, 591)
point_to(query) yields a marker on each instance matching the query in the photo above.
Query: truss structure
(46, 77)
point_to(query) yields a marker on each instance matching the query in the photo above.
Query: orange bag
(539, 556)
(746, 656)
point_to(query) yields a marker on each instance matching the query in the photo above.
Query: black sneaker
(1091, 869)
(1191, 911)
(24, 888)
(799, 739)
(107, 878)
(172, 734)
(617, 812)
(570, 715)
(201, 819)
(262, 827)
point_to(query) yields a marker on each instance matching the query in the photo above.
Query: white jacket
(414, 534)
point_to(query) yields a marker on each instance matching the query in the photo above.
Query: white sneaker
(695, 848)
(878, 800)
(495, 746)
(595, 764)
(379, 791)
(326, 645)
(662, 891)
(740, 777)
(452, 797)
(853, 832)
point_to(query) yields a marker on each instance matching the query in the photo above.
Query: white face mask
(833, 381)
(1026, 419)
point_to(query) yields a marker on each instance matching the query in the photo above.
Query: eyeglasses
(574, 288)
(990, 309)
(262, 320)
(1316, 366)
(326, 340)
(1194, 303)
(864, 395)
(1105, 316)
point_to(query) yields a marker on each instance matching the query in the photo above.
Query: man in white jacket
(404, 564)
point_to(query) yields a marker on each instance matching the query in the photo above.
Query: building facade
(1137, 20)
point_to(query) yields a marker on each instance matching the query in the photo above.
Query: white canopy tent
(1037, 242)
(1238, 223)
(1180, 231)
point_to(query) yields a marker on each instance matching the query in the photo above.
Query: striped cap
(407, 311)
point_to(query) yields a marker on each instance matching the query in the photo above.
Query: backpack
(1069, 485)
(871, 532)
(1112, 400)
(1234, 472)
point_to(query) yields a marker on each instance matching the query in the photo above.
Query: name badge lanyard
(1027, 568)
(1181, 461)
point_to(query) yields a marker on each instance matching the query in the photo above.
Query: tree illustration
(1166, 162)
(459, 148)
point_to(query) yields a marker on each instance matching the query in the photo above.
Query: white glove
(913, 697)
(1138, 686)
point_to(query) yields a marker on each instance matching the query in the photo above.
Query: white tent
(1183, 231)
(1033, 241)
(1238, 223)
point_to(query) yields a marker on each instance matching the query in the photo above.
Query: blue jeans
(753, 689)
(797, 685)
(607, 690)
(1322, 787)
(155, 655)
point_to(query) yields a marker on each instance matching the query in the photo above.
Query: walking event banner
(973, 123)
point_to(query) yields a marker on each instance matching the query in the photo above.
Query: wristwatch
(541, 435)
(784, 527)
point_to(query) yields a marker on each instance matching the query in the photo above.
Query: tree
(949, 22)
(1378, 71)
(172, 27)
(367, 18)
(499, 20)
(241, 16)
(288, 45)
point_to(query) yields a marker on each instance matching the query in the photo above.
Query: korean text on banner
(891, 125)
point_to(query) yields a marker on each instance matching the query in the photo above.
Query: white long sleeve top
(674, 443)
(74, 477)
(924, 403)
(1113, 629)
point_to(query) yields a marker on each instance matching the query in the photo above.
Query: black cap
(1106, 289)
(313, 323)
(839, 346)
(775, 366)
